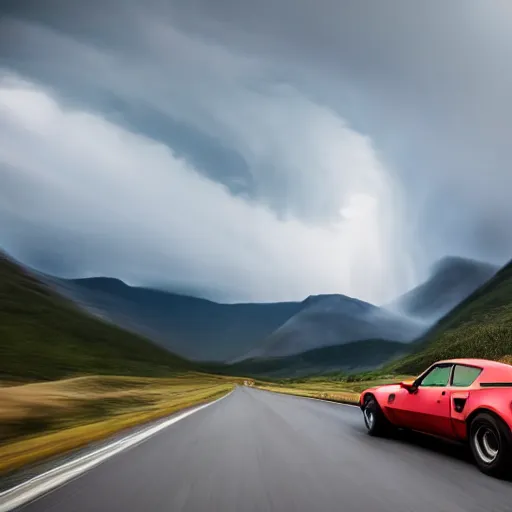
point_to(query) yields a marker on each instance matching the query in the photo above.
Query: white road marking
(42, 484)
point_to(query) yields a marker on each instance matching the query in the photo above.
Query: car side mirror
(410, 386)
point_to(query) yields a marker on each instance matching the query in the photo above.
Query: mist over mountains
(328, 320)
(203, 330)
(451, 280)
(268, 340)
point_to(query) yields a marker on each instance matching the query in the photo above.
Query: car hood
(389, 387)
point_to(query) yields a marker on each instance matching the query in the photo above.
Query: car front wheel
(374, 419)
(491, 444)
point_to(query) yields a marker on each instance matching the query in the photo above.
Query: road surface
(259, 451)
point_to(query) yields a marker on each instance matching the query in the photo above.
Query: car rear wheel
(374, 419)
(491, 444)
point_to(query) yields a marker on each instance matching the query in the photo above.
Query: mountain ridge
(480, 326)
(44, 336)
(333, 320)
(195, 328)
(203, 330)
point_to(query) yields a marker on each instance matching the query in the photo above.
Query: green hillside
(357, 355)
(481, 326)
(192, 327)
(43, 336)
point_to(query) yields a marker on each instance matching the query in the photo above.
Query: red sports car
(468, 400)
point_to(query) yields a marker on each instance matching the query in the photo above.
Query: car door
(463, 377)
(428, 408)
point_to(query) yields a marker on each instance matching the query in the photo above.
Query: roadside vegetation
(337, 388)
(67, 378)
(45, 419)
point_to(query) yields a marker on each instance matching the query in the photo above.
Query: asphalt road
(258, 451)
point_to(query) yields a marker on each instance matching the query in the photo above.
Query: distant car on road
(467, 400)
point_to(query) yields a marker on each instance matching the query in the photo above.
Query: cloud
(429, 83)
(138, 212)
(214, 93)
(382, 126)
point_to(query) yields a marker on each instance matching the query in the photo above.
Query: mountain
(452, 279)
(194, 328)
(480, 326)
(327, 320)
(44, 336)
(357, 355)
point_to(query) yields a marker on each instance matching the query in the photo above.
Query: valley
(73, 372)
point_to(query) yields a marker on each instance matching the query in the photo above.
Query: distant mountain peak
(324, 296)
(450, 262)
(332, 297)
(101, 282)
(333, 319)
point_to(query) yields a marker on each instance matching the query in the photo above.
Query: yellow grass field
(42, 420)
(336, 396)
(323, 388)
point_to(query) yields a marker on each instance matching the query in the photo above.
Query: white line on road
(42, 484)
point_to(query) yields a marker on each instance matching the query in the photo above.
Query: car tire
(374, 419)
(491, 444)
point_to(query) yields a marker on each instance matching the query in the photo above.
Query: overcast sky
(256, 150)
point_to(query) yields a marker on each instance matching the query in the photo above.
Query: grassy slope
(481, 326)
(43, 336)
(124, 379)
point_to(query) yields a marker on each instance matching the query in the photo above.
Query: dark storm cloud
(270, 99)
(430, 81)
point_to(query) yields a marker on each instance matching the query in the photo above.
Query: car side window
(439, 376)
(464, 376)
